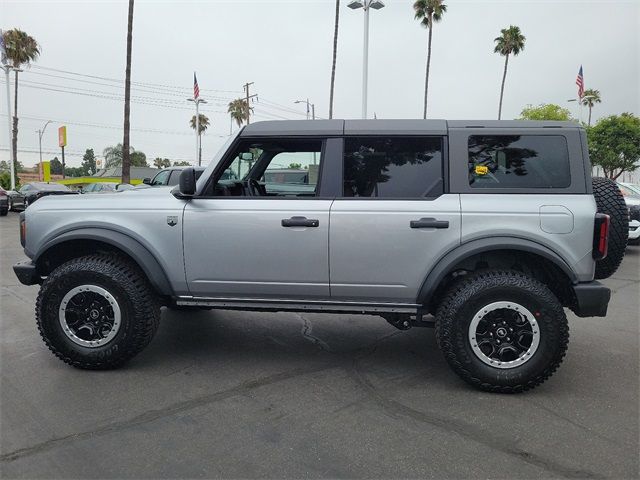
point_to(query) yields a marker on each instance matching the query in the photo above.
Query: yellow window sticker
(482, 170)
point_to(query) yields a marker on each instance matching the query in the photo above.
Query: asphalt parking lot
(282, 395)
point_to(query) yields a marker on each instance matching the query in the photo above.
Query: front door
(260, 230)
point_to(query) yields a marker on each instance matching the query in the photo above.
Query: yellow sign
(46, 171)
(62, 136)
(481, 170)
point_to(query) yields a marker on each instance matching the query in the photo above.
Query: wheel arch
(84, 241)
(495, 247)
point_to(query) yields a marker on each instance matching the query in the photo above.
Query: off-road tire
(138, 304)
(609, 200)
(470, 295)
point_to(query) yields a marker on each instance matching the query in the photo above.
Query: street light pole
(311, 108)
(40, 134)
(365, 5)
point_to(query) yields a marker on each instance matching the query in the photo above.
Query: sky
(285, 49)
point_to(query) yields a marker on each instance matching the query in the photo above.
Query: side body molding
(467, 250)
(130, 246)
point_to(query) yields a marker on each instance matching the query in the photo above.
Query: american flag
(580, 83)
(196, 89)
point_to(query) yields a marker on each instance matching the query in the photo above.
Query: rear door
(393, 220)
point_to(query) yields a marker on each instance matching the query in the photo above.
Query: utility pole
(247, 98)
(311, 108)
(7, 68)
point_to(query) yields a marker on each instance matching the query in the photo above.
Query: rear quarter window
(518, 161)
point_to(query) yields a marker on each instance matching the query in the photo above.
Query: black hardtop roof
(379, 126)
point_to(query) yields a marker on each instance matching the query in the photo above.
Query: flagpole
(198, 130)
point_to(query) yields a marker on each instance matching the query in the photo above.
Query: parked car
(168, 177)
(632, 199)
(106, 187)
(486, 230)
(632, 186)
(30, 192)
(4, 202)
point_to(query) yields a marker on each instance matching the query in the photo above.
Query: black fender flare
(132, 247)
(467, 250)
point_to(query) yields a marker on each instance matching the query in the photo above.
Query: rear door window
(518, 161)
(392, 167)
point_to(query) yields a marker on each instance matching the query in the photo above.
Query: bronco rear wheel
(609, 200)
(97, 312)
(502, 331)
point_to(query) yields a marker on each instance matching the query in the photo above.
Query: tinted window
(161, 178)
(518, 161)
(174, 179)
(392, 167)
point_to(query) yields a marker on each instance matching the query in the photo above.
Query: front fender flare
(132, 247)
(467, 250)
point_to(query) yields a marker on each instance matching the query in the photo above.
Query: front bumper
(592, 299)
(26, 273)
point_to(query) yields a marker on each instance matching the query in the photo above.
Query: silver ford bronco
(485, 230)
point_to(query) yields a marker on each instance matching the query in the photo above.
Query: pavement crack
(307, 333)
(170, 410)
(471, 432)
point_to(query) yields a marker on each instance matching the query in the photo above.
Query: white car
(631, 195)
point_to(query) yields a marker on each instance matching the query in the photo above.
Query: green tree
(295, 166)
(5, 180)
(22, 49)
(56, 166)
(113, 157)
(239, 110)
(589, 99)
(181, 163)
(204, 123)
(127, 154)
(74, 171)
(428, 11)
(545, 111)
(161, 162)
(511, 42)
(614, 144)
(89, 162)
(334, 57)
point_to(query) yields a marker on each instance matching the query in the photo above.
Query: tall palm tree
(204, 123)
(589, 99)
(428, 11)
(239, 111)
(202, 127)
(126, 154)
(510, 42)
(22, 49)
(335, 54)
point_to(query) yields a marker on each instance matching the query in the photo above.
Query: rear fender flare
(450, 260)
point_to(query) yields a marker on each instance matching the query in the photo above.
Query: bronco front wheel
(97, 312)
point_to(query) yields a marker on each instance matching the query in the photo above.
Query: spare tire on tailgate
(609, 200)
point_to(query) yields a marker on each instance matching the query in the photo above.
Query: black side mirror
(188, 181)
(146, 181)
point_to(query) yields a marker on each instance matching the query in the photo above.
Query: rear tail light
(601, 236)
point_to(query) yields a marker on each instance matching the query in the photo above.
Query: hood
(156, 198)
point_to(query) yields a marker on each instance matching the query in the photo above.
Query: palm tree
(510, 42)
(238, 111)
(333, 63)
(590, 98)
(204, 122)
(21, 51)
(428, 11)
(202, 127)
(126, 158)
